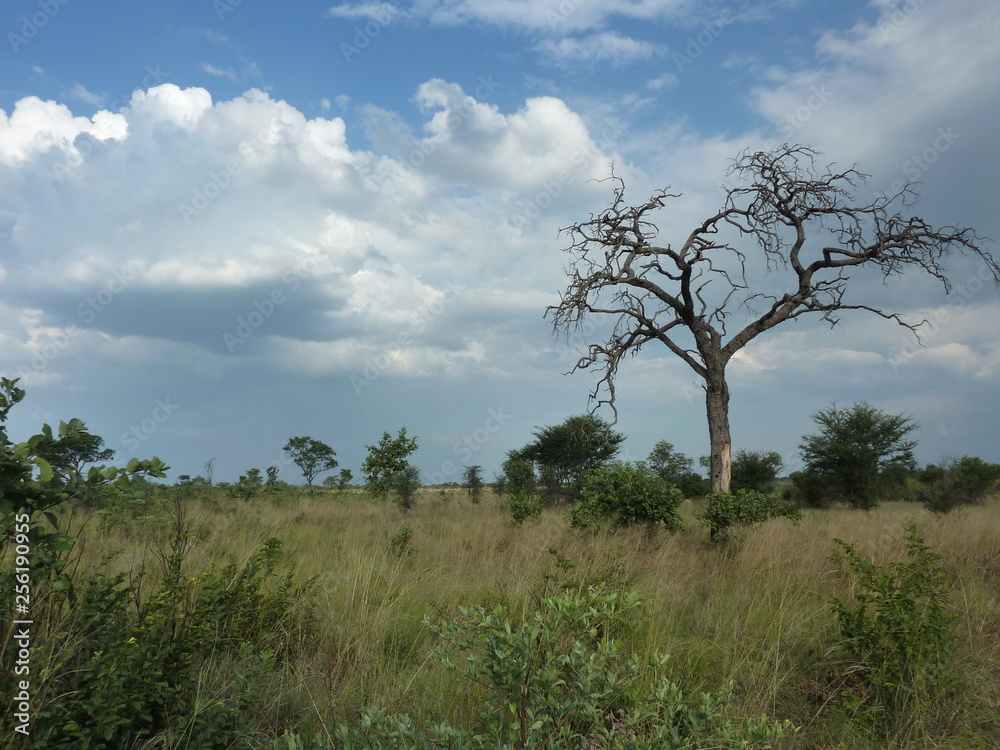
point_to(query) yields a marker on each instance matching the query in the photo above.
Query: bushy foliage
(30, 489)
(743, 508)
(399, 543)
(895, 632)
(523, 507)
(626, 494)
(677, 469)
(519, 475)
(473, 478)
(963, 482)
(126, 668)
(386, 465)
(559, 680)
(755, 470)
(311, 456)
(858, 452)
(564, 452)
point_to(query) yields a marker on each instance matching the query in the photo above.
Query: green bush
(963, 482)
(894, 633)
(559, 680)
(523, 507)
(399, 543)
(745, 508)
(185, 665)
(626, 494)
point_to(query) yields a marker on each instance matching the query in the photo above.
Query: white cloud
(608, 46)
(222, 73)
(80, 92)
(36, 126)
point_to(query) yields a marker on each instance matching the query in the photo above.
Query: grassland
(755, 610)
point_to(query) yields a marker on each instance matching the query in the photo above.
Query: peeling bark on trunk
(717, 404)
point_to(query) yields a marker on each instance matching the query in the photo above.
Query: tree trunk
(717, 403)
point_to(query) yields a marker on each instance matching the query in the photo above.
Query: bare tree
(782, 215)
(209, 468)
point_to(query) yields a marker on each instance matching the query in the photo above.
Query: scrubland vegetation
(591, 604)
(342, 615)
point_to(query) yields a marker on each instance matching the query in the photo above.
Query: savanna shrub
(399, 543)
(559, 680)
(745, 508)
(523, 507)
(966, 481)
(895, 632)
(626, 494)
(181, 666)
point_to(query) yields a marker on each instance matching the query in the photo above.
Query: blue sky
(224, 224)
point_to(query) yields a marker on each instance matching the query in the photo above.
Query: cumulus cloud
(249, 232)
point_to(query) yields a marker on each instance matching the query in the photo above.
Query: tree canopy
(783, 214)
(565, 451)
(857, 449)
(311, 456)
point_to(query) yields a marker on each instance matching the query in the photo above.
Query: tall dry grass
(755, 610)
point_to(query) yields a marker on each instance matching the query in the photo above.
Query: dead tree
(782, 215)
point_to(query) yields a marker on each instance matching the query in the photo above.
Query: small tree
(473, 477)
(857, 449)
(272, 476)
(564, 452)
(385, 461)
(209, 468)
(345, 479)
(30, 488)
(756, 470)
(676, 468)
(311, 456)
(627, 494)
(405, 484)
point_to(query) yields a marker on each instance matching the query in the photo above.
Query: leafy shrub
(399, 543)
(896, 633)
(559, 681)
(963, 482)
(755, 470)
(745, 508)
(182, 665)
(626, 494)
(523, 507)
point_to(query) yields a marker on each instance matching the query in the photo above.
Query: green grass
(755, 610)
